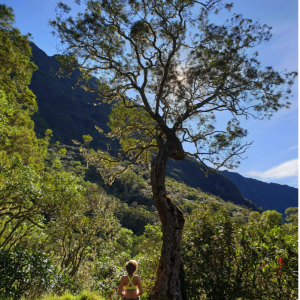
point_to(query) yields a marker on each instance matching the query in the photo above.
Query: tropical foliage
(224, 260)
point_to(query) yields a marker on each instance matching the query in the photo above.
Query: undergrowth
(84, 295)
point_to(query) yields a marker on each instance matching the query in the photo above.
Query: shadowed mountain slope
(269, 196)
(69, 112)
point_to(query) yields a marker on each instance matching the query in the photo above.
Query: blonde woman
(130, 287)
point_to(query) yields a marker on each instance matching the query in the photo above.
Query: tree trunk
(167, 285)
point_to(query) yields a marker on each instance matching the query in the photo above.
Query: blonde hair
(131, 266)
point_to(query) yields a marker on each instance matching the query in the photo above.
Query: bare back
(131, 293)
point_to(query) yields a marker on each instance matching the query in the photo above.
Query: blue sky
(273, 156)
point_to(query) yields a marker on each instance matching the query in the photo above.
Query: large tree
(170, 73)
(21, 152)
(17, 136)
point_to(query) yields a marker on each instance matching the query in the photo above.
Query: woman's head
(131, 267)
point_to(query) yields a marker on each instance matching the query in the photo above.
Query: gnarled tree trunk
(167, 285)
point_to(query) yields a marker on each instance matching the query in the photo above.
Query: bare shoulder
(137, 277)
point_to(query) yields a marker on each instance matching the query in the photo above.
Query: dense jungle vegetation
(65, 234)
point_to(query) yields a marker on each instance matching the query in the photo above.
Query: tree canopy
(164, 60)
(17, 100)
(39, 201)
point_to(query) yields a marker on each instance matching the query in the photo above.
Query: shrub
(223, 260)
(148, 257)
(109, 264)
(29, 273)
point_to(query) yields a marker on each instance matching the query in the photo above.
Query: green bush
(131, 182)
(148, 256)
(109, 264)
(223, 260)
(145, 296)
(29, 273)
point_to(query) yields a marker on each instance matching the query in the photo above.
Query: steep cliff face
(269, 196)
(70, 113)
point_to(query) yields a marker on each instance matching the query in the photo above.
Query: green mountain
(269, 196)
(70, 113)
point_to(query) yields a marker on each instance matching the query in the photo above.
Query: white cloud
(287, 169)
(292, 148)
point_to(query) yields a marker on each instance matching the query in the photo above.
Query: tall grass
(84, 295)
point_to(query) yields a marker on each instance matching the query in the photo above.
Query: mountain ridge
(266, 195)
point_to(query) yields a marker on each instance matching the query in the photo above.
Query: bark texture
(167, 285)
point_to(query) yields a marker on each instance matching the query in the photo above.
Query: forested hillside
(87, 240)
